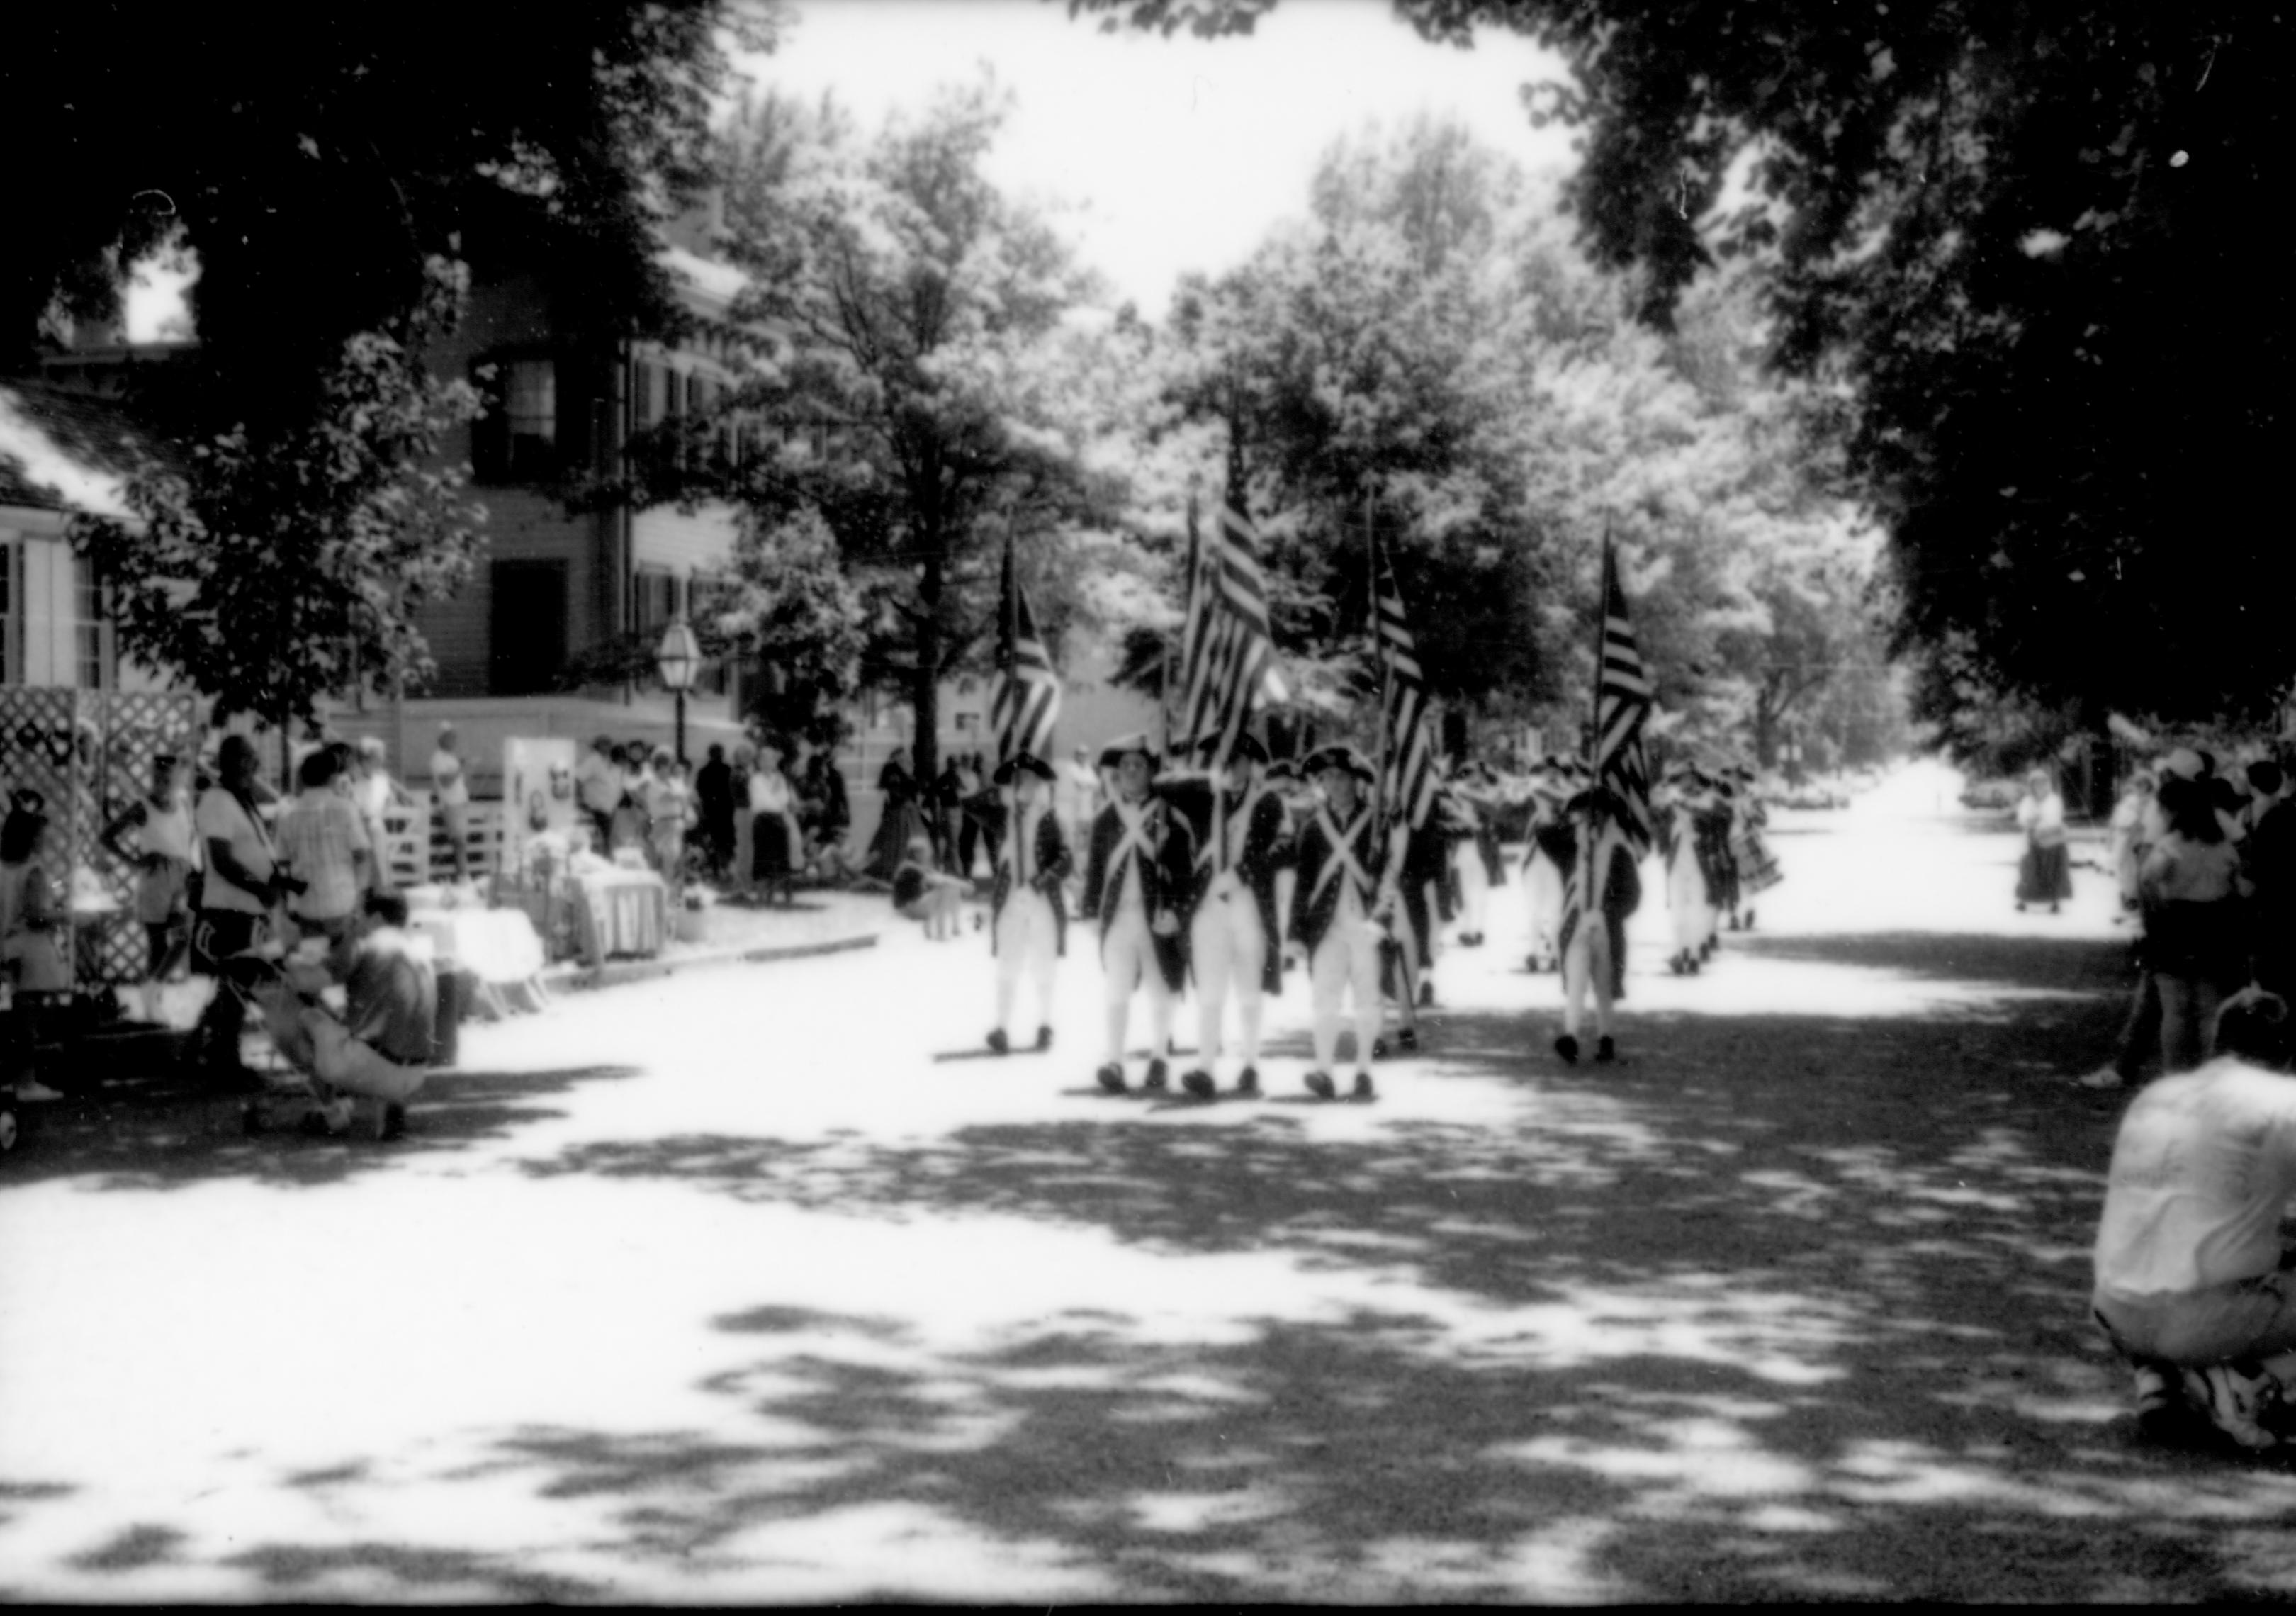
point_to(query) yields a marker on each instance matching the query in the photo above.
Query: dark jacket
(1048, 860)
(1315, 900)
(713, 793)
(1266, 848)
(1165, 880)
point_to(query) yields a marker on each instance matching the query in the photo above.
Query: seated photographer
(381, 1045)
(2191, 1281)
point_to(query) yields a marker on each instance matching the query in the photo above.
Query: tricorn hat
(1283, 768)
(1124, 746)
(1019, 763)
(1339, 757)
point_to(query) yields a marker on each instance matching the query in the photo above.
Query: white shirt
(2205, 1163)
(447, 777)
(222, 818)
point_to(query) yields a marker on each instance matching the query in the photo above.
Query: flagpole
(1378, 651)
(1187, 616)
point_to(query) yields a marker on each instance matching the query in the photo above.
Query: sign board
(538, 792)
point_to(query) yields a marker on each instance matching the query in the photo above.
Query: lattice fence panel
(137, 727)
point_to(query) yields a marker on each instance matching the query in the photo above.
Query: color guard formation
(1217, 869)
(1208, 884)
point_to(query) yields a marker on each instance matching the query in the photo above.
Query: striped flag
(1228, 652)
(1622, 705)
(1407, 782)
(1028, 700)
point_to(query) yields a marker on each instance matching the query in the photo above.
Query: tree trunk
(924, 688)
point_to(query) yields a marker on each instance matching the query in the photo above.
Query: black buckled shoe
(1604, 1049)
(1407, 1040)
(1379, 1048)
(1199, 1084)
(998, 1043)
(1319, 1084)
(1159, 1077)
(1110, 1078)
(1363, 1090)
(1247, 1081)
(1567, 1047)
(1043, 1038)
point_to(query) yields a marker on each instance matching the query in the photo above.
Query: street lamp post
(679, 659)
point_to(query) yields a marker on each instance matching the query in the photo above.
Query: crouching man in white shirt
(380, 1047)
(2191, 1285)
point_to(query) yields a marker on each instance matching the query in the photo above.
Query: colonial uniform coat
(1027, 929)
(1544, 862)
(1338, 892)
(1233, 942)
(1149, 844)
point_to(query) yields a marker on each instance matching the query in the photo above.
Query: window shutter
(491, 432)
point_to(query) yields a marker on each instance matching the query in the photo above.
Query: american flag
(1028, 700)
(1408, 780)
(1622, 703)
(1227, 655)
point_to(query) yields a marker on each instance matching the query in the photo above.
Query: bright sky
(1183, 152)
(1179, 154)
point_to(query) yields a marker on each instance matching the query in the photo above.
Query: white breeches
(1586, 965)
(1346, 962)
(1688, 903)
(1474, 887)
(1544, 881)
(1128, 956)
(1027, 943)
(1229, 951)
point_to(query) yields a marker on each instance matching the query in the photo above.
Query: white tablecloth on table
(494, 945)
(621, 912)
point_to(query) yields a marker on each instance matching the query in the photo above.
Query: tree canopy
(931, 396)
(2032, 243)
(316, 159)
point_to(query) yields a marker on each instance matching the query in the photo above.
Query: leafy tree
(785, 614)
(2027, 239)
(269, 573)
(933, 395)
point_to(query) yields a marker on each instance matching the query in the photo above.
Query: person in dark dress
(713, 789)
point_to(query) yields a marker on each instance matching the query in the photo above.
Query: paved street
(717, 1288)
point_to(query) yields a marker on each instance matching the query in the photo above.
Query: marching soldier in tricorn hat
(1137, 881)
(1233, 942)
(1028, 920)
(1335, 909)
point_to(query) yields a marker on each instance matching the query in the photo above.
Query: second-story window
(516, 440)
(530, 411)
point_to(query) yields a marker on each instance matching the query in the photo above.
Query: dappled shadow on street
(1778, 1305)
(2036, 963)
(172, 1137)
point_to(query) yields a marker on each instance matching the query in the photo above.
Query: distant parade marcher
(1685, 836)
(2042, 875)
(598, 789)
(1407, 968)
(451, 782)
(1234, 943)
(1595, 954)
(1476, 855)
(1028, 920)
(1136, 885)
(1335, 912)
(1545, 860)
